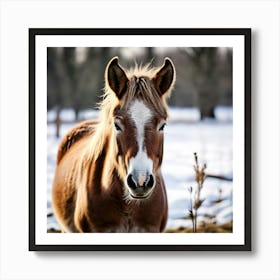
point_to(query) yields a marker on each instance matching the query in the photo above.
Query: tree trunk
(57, 123)
(76, 114)
(208, 112)
(150, 54)
(206, 104)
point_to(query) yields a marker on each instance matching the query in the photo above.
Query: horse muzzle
(140, 184)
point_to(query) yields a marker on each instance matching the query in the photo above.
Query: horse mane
(74, 135)
(140, 86)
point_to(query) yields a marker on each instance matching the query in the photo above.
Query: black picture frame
(33, 33)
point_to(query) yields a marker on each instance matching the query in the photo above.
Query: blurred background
(204, 75)
(200, 122)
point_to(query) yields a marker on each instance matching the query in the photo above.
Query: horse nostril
(130, 182)
(150, 182)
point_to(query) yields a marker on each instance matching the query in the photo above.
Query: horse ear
(164, 78)
(115, 77)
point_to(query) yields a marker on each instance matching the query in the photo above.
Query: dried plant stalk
(196, 201)
(191, 208)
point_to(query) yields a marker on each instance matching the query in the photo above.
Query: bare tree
(204, 75)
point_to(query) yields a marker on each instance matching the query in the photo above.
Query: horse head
(137, 122)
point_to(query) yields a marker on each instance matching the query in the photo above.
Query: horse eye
(117, 126)
(162, 127)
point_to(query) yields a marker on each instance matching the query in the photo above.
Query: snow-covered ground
(184, 135)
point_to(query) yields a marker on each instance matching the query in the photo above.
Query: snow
(184, 135)
(88, 114)
(223, 113)
(66, 115)
(184, 115)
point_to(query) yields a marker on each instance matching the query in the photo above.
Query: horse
(108, 173)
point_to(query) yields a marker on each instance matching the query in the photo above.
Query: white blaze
(141, 164)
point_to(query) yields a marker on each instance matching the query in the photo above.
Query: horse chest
(126, 225)
(129, 223)
(138, 219)
(124, 219)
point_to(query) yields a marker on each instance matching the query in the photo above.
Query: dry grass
(195, 199)
(205, 228)
(52, 230)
